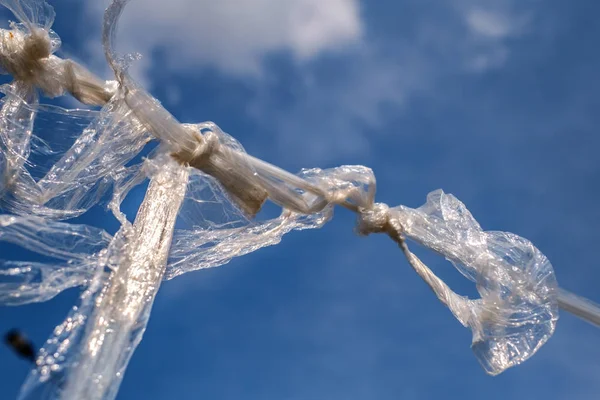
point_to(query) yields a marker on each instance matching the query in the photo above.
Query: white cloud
(490, 24)
(381, 77)
(325, 120)
(235, 35)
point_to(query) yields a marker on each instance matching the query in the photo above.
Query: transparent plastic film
(220, 231)
(16, 125)
(518, 308)
(71, 251)
(32, 13)
(26, 53)
(204, 146)
(204, 206)
(24, 282)
(54, 130)
(86, 171)
(114, 312)
(148, 110)
(60, 352)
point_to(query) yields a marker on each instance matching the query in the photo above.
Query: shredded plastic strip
(73, 249)
(55, 129)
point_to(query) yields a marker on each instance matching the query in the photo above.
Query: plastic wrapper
(518, 308)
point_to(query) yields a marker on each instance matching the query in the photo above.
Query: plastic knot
(21, 52)
(37, 45)
(373, 220)
(208, 144)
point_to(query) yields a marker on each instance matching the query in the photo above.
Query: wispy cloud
(234, 36)
(349, 78)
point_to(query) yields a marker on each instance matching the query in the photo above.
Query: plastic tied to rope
(27, 54)
(515, 315)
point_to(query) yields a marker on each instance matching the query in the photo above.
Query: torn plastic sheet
(518, 308)
(119, 273)
(86, 356)
(73, 248)
(16, 125)
(215, 241)
(118, 308)
(26, 53)
(29, 157)
(85, 171)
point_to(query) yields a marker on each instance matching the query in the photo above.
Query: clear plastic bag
(518, 308)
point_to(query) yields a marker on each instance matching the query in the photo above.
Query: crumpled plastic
(214, 230)
(32, 153)
(223, 195)
(26, 53)
(71, 246)
(518, 308)
(16, 126)
(200, 211)
(132, 118)
(215, 241)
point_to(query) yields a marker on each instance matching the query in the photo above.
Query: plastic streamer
(200, 211)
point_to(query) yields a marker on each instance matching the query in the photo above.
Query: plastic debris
(518, 308)
(26, 53)
(200, 211)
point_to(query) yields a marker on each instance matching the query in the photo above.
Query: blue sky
(493, 101)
